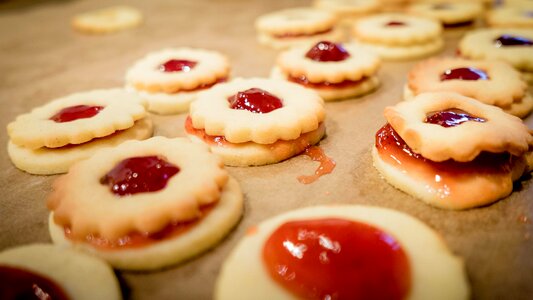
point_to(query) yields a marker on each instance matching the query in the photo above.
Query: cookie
(348, 9)
(145, 204)
(169, 80)
(107, 20)
(451, 151)
(256, 121)
(344, 252)
(399, 36)
(514, 46)
(334, 71)
(296, 26)
(41, 271)
(491, 82)
(449, 13)
(511, 17)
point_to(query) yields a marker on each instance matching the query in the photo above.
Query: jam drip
(326, 164)
(139, 175)
(451, 118)
(76, 112)
(337, 259)
(395, 23)
(255, 100)
(464, 74)
(21, 284)
(511, 40)
(177, 65)
(327, 51)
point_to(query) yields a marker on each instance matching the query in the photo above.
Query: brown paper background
(42, 58)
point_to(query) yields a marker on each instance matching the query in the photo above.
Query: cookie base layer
(166, 104)
(201, 237)
(335, 35)
(474, 192)
(47, 161)
(243, 275)
(81, 276)
(413, 51)
(253, 154)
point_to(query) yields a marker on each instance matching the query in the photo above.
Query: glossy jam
(302, 80)
(142, 239)
(468, 73)
(451, 118)
(337, 259)
(511, 40)
(327, 51)
(177, 65)
(72, 113)
(255, 100)
(139, 175)
(326, 164)
(21, 284)
(297, 35)
(395, 24)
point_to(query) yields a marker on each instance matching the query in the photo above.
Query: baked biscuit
(451, 151)
(511, 17)
(52, 137)
(399, 36)
(449, 13)
(297, 26)
(514, 46)
(348, 9)
(256, 121)
(170, 79)
(107, 20)
(334, 71)
(328, 251)
(48, 272)
(491, 82)
(145, 204)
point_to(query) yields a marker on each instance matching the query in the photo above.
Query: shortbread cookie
(451, 151)
(107, 20)
(342, 252)
(257, 121)
(145, 204)
(297, 26)
(449, 13)
(399, 36)
(511, 17)
(334, 71)
(491, 82)
(41, 271)
(514, 46)
(348, 8)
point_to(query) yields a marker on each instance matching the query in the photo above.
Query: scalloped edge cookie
(347, 9)
(510, 17)
(107, 20)
(455, 13)
(166, 104)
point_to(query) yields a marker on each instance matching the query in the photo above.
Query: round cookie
(511, 17)
(256, 121)
(296, 26)
(334, 71)
(348, 9)
(399, 36)
(119, 221)
(245, 275)
(78, 276)
(450, 14)
(107, 20)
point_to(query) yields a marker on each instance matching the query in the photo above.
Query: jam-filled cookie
(250, 122)
(335, 71)
(342, 252)
(145, 204)
(170, 79)
(491, 82)
(108, 19)
(514, 46)
(50, 138)
(451, 151)
(297, 26)
(449, 13)
(348, 9)
(41, 271)
(511, 17)
(399, 36)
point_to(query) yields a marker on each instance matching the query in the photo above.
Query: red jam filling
(302, 80)
(76, 112)
(139, 175)
(511, 40)
(326, 164)
(327, 51)
(177, 65)
(337, 259)
(22, 284)
(395, 23)
(255, 100)
(297, 35)
(451, 118)
(464, 74)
